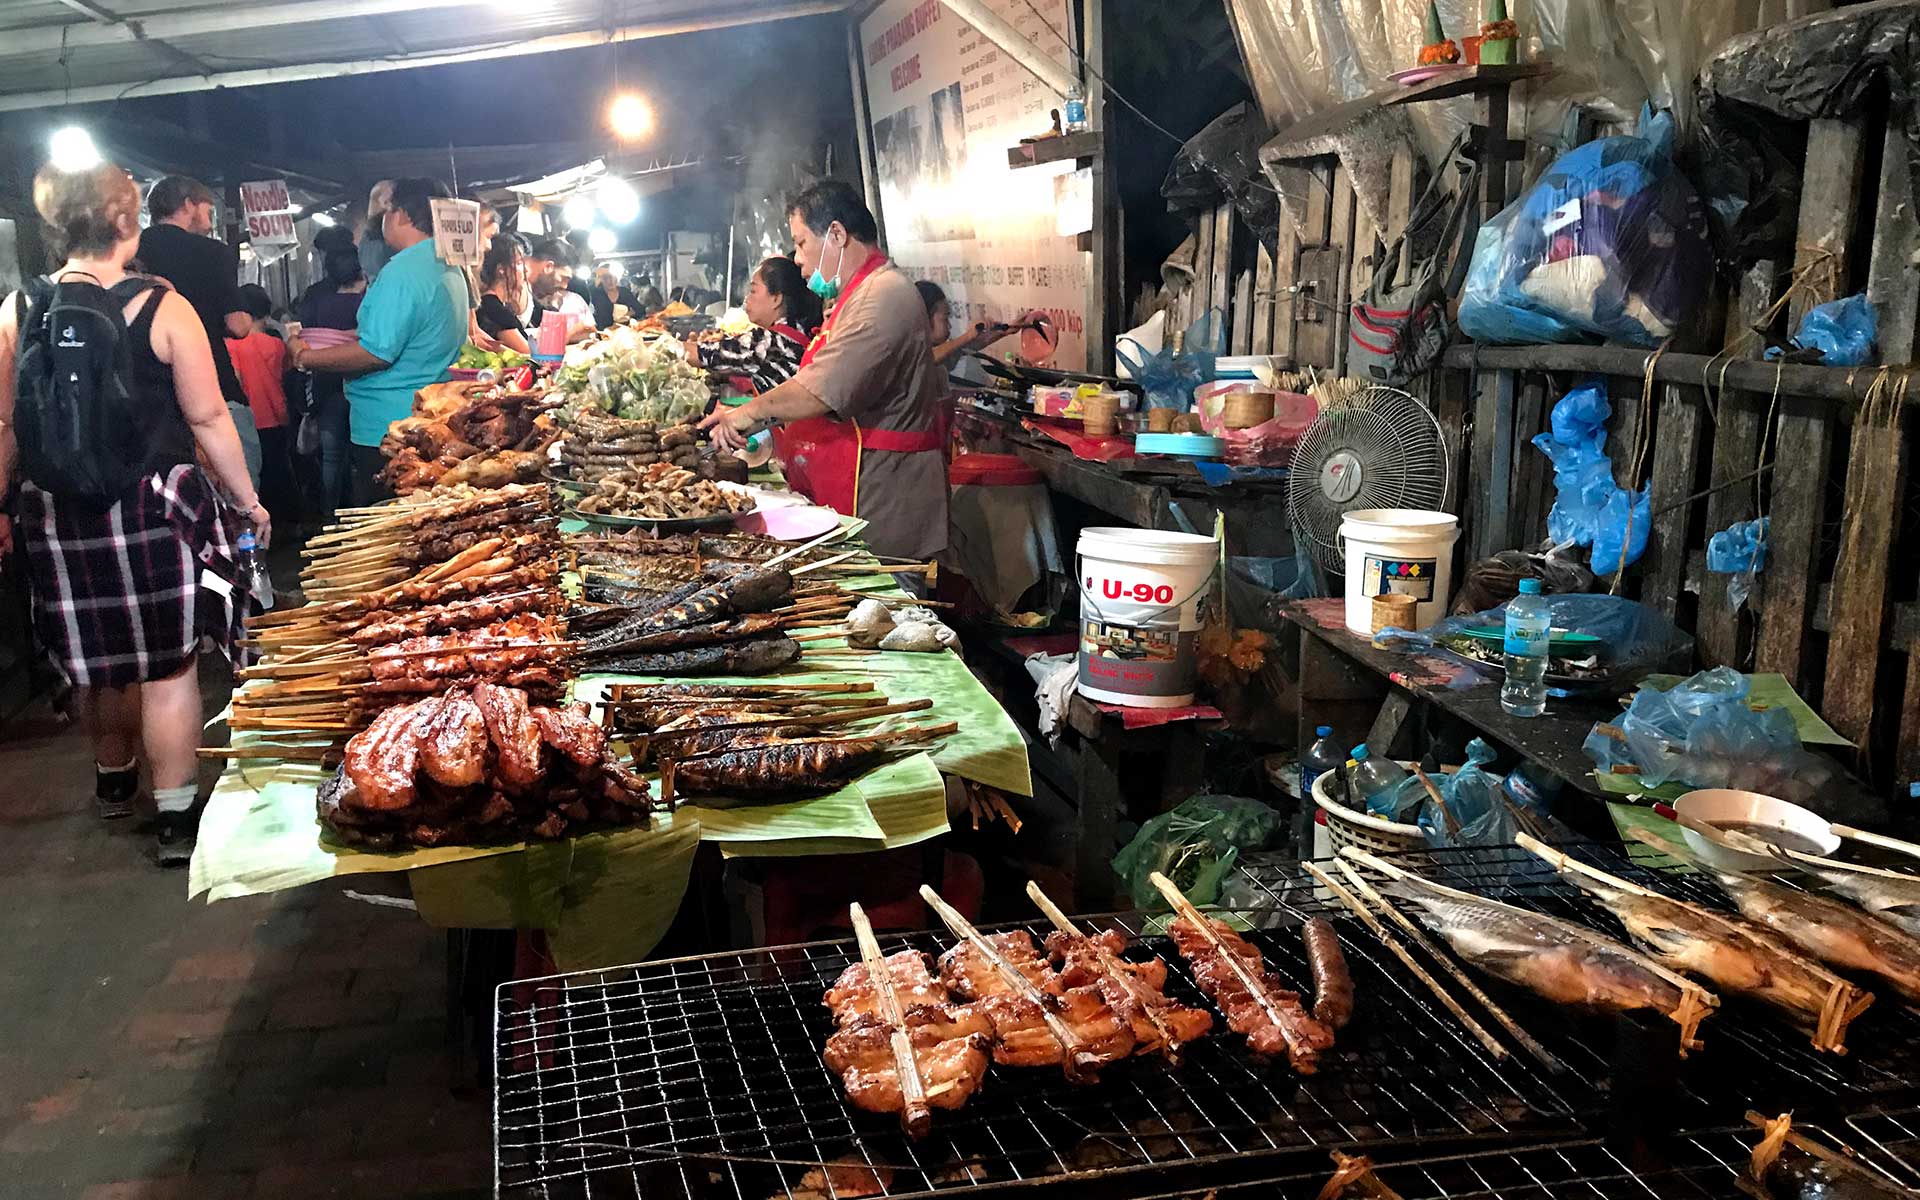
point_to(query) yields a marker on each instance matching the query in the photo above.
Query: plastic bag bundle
(1739, 550)
(1168, 378)
(1475, 802)
(1701, 731)
(1635, 640)
(1611, 243)
(1195, 845)
(1839, 333)
(1589, 508)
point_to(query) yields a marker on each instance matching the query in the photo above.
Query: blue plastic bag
(1700, 730)
(1739, 550)
(1472, 793)
(1589, 508)
(1168, 379)
(1843, 331)
(1610, 243)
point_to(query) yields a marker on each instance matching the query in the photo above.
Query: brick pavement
(275, 1047)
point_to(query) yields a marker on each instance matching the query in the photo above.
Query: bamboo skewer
(1407, 960)
(1184, 907)
(1459, 974)
(797, 572)
(916, 1117)
(1075, 1059)
(1114, 968)
(1876, 839)
(831, 535)
(1354, 1171)
(1440, 801)
(307, 754)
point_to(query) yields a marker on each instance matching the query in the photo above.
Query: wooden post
(1262, 305)
(1222, 261)
(1340, 232)
(1876, 464)
(862, 125)
(1491, 115)
(1804, 442)
(1241, 341)
(1106, 274)
(1400, 203)
(1201, 294)
(1490, 477)
(1736, 445)
(1531, 470)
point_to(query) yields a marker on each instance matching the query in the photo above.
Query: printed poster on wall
(269, 213)
(946, 105)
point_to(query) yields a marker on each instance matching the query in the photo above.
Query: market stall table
(609, 897)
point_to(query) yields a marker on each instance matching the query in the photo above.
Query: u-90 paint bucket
(1140, 597)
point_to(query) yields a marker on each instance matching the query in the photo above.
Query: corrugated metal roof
(50, 53)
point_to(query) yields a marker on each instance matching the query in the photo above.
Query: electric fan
(1379, 449)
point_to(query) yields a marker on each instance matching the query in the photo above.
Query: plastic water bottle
(1529, 621)
(1321, 757)
(1372, 776)
(253, 568)
(1075, 117)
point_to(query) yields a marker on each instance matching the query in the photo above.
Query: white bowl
(1719, 805)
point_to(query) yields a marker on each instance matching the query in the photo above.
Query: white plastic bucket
(1408, 551)
(1140, 596)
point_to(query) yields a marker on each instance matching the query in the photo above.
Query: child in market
(260, 362)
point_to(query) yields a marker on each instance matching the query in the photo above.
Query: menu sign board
(270, 216)
(456, 232)
(946, 105)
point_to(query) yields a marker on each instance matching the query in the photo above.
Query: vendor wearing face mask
(857, 424)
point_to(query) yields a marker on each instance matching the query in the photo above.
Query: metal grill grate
(1752, 1057)
(1890, 1139)
(702, 1077)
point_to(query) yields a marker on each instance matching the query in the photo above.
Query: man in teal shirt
(412, 325)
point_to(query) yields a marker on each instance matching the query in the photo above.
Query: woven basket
(1244, 410)
(1345, 827)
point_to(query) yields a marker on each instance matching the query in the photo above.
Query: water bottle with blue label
(1529, 626)
(1076, 113)
(253, 568)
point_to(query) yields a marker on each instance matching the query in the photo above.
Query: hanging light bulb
(71, 148)
(602, 240)
(320, 219)
(618, 201)
(578, 210)
(630, 117)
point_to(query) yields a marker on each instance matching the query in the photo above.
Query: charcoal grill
(700, 1078)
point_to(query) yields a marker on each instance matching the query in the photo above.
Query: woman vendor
(858, 423)
(784, 315)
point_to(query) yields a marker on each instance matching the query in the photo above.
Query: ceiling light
(71, 149)
(619, 203)
(602, 240)
(630, 117)
(578, 210)
(321, 219)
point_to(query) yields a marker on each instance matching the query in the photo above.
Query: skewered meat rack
(702, 1077)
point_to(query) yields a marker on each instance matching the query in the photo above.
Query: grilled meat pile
(468, 433)
(1075, 1016)
(479, 765)
(1271, 1016)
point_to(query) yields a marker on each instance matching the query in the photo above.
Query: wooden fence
(1721, 437)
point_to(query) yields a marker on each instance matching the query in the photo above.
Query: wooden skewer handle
(916, 1117)
(1075, 1058)
(1877, 839)
(1184, 907)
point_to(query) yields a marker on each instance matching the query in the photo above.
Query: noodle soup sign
(270, 216)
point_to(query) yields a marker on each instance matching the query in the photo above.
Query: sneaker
(174, 837)
(114, 793)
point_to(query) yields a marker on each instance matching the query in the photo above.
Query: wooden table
(1373, 695)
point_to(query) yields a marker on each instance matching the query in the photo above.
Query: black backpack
(82, 431)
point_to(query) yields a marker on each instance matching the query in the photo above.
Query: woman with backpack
(107, 391)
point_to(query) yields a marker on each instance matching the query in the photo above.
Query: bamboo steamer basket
(1244, 410)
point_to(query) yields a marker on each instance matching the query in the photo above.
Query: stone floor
(285, 1046)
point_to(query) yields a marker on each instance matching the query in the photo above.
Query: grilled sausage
(1332, 983)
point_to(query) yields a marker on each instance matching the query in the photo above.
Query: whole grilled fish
(1556, 959)
(1889, 895)
(775, 772)
(1833, 931)
(1735, 956)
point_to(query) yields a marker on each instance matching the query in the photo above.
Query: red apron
(821, 455)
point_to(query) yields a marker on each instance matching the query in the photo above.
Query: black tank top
(169, 437)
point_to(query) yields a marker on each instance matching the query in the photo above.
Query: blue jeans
(335, 470)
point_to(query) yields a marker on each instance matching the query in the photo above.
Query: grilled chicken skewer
(1133, 989)
(1253, 1000)
(949, 1042)
(915, 1115)
(1023, 997)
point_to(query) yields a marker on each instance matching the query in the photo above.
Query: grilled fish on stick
(755, 656)
(1833, 931)
(1733, 955)
(1789, 1167)
(784, 770)
(1289, 1031)
(1559, 960)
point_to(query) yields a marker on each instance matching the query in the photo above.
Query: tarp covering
(1610, 56)
(1748, 158)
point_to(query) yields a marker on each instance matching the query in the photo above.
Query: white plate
(1717, 805)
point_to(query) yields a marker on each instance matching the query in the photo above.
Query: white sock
(104, 769)
(175, 799)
